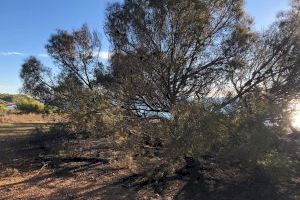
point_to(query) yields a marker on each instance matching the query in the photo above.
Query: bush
(244, 138)
(28, 105)
(2, 108)
(92, 113)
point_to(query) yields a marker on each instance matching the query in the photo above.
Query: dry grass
(29, 118)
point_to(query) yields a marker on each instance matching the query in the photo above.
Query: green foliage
(2, 108)
(92, 113)
(197, 130)
(246, 138)
(162, 54)
(29, 105)
(24, 104)
(7, 97)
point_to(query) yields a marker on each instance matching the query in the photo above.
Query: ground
(35, 166)
(38, 165)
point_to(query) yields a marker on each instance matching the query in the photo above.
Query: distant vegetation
(29, 105)
(9, 97)
(23, 103)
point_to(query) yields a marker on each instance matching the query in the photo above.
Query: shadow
(26, 152)
(65, 171)
(52, 148)
(198, 184)
(208, 181)
(92, 177)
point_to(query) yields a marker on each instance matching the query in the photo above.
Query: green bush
(244, 138)
(28, 105)
(2, 108)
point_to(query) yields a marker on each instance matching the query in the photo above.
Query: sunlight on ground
(295, 116)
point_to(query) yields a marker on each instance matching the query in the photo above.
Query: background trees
(78, 66)
(75, 84)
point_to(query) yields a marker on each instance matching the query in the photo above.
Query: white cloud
(11, 53)
(43, 55)
(106, 55)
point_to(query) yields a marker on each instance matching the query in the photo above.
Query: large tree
(169, 51)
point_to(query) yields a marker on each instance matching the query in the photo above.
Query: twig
(43, 167)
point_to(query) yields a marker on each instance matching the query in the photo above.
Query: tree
(33, 74)
(77, 85)
(75, 54)
(272, 61)
(167, 51)
(199, 60)
(171, 51)
(286, 83)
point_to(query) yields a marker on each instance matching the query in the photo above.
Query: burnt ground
(38, 165)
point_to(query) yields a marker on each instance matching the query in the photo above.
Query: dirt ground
(34, 166)
(37, 165)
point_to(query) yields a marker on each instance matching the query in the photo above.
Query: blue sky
(25, 27)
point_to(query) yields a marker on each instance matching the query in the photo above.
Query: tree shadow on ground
(197, 185)
(101, 180)
(257, 185)
(51, 148)
(27, 152)
(37, 154)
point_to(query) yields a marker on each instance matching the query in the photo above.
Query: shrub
(240, 139)
(2, 108)
(28, 105)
